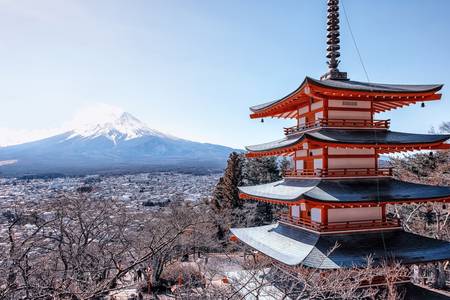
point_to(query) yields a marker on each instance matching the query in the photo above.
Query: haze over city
(192, 68)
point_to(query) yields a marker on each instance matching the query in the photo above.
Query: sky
(191, 68)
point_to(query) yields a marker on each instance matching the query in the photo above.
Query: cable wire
(375, 131)
(354, 42)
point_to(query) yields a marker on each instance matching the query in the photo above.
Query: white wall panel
(354, 214)
(301, 121)
(342, 114)
(316, 105)
(317, 151)
(349, 103)
(342, 163)
(318, 163)
(301, 153)
(299, 164)
(316, 215)
(295, 211)
(303, 110)
(319, 115)
(349, 151)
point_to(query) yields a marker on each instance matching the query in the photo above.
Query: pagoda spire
(333, 41)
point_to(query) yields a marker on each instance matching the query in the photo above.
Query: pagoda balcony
(345, 172)
(389, 223)
(338, 123)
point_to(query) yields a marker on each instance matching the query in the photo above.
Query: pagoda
(335, 191)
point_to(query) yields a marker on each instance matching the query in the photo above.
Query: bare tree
(88, 248)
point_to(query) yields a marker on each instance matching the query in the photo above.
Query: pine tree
(260, 171)
(263, 214)
(242, 171)
(226, 193)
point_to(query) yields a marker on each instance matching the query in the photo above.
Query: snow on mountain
(118, 144)
(125, 127)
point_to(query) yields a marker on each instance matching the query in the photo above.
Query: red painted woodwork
(381, 148)
(334, 204)
(343, 172)
(340, 226)
(381, 101)
(338, 123)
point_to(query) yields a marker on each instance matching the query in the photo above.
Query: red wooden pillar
(325, 109)
(372, 111)
(376, 160)
(383, 212)
(324, 215)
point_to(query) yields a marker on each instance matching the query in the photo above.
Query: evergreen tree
(231, 211)
(260, 171)
(263, 214)
(226, 193)
(284, 165)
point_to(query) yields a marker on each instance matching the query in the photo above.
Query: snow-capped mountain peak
(122, 128)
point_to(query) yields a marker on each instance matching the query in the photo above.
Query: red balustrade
(344, 172)
(338, 123)
(340, 226)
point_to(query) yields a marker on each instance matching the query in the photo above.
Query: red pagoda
(336, 191)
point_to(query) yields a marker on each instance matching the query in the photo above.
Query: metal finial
(333, 35)
(333, 41)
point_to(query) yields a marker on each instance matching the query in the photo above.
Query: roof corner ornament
(333, 41)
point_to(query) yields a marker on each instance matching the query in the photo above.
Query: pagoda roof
(351, 85)
(351, 137)
(295, 246)
(321, 88)
(355, 190)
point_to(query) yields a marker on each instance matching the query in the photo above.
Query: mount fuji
(123, 144)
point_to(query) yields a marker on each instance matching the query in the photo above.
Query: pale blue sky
(192, 68)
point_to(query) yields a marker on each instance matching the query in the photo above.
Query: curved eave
(311, 200)
(386, 142)
(264, 106)
(294, 246)
(376, 88)
(407, 94)
(282, 144)
(381, 148)
(344, 192)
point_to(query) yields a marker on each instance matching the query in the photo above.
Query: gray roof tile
(352, 136)
(295, 246)
(356, 86)
(346, 190)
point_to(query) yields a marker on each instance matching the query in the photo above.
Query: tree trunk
(157, 269)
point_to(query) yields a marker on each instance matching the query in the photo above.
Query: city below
(146, 191)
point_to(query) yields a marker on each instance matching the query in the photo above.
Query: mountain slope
(122, 145)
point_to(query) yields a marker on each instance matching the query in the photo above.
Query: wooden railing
(340, 226)
(345, 172)
(378, 124)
